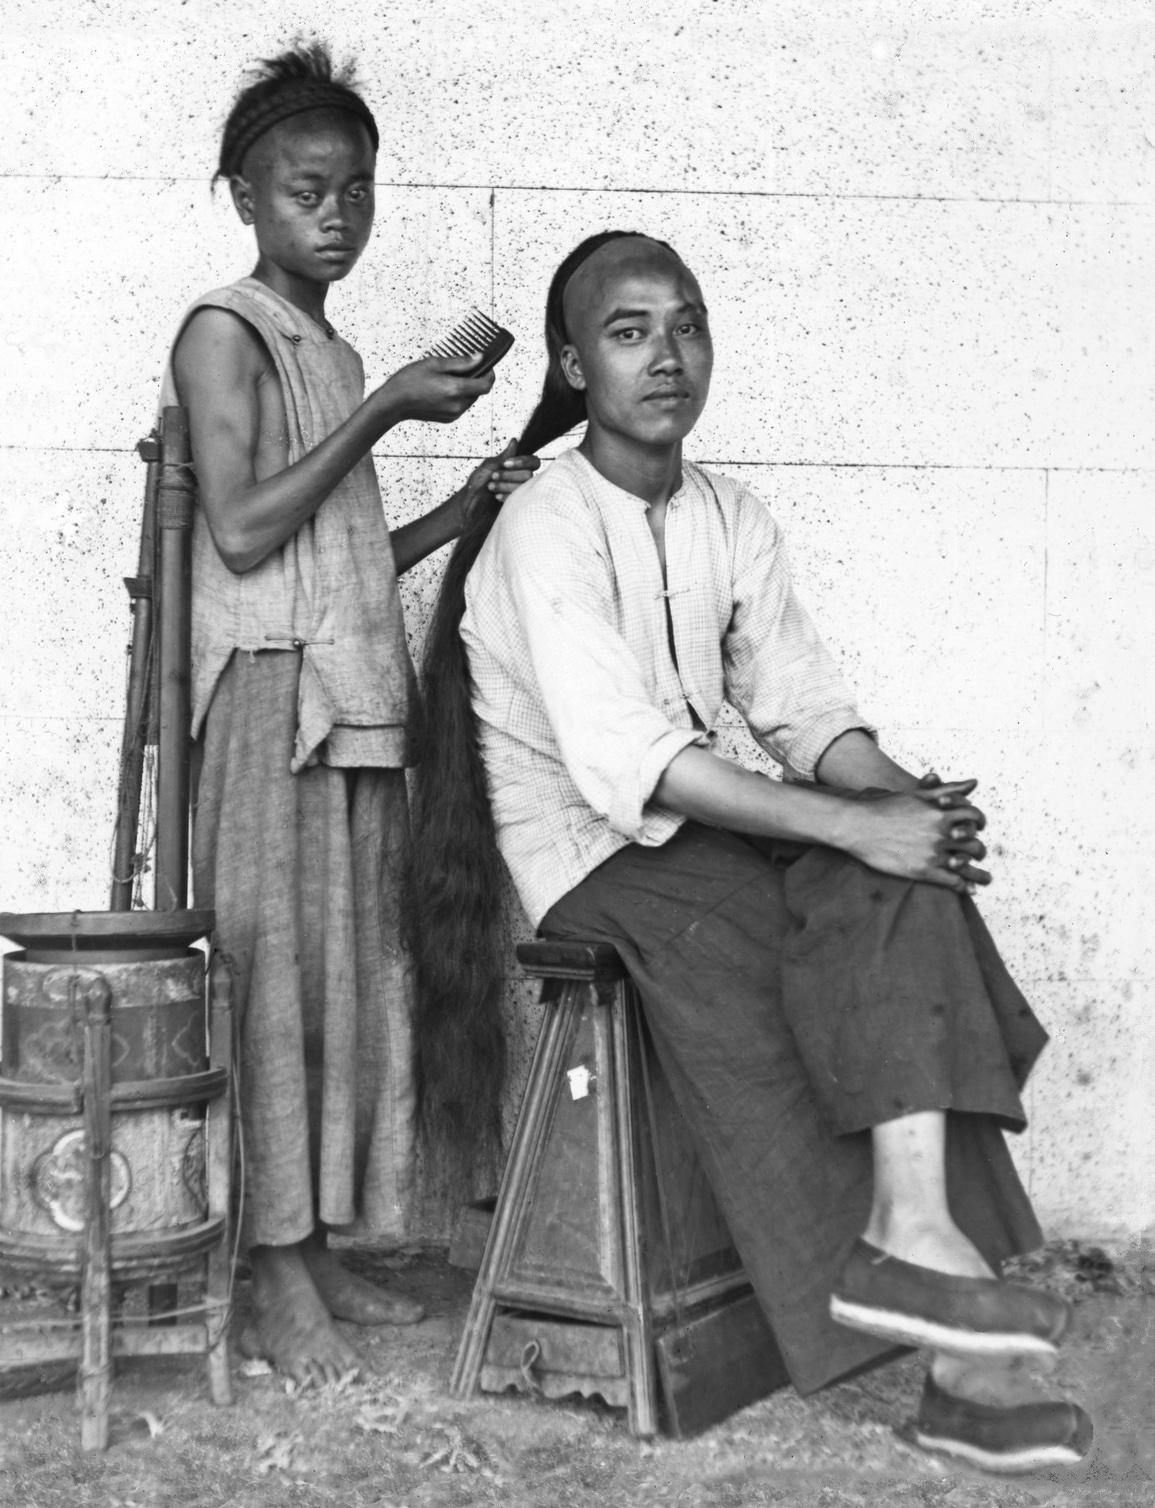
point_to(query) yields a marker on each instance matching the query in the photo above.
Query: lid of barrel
(105, 929)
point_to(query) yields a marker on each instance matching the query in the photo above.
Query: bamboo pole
(174, 516)
(140, 705)
(175, 496)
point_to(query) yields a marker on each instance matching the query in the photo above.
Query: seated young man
(839, 1031)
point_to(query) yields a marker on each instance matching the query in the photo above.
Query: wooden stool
(608, 1268)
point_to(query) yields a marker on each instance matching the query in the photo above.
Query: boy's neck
(302, 293)
(652, 473)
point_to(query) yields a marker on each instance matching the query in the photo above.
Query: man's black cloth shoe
(1025, 1437)
(917, 1306)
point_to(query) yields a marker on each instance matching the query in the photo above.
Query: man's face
(308, 193)
(640, 342)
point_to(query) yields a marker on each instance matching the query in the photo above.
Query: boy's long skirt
(797, 998)
(305, 872)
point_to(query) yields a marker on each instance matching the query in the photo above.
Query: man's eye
(305, 196)
(629, 333)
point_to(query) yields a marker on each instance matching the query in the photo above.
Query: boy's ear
(571, 366)
(242, 193)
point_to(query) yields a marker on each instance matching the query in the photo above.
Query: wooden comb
(476, 335)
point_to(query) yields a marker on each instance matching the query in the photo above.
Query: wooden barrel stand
(115, 1140)
(608, 1268)
(115, 1100)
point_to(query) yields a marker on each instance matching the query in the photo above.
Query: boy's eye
(305, 196)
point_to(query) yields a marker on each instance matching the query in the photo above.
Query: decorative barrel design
(154, 983)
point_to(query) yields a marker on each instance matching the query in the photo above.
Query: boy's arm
(252, 500)
(499, 476)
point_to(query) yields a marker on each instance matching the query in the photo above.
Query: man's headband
(580, 256)
(292, 98)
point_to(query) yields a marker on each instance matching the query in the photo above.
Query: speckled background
(927, 236)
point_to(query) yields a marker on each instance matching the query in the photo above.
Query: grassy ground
(397, 1440)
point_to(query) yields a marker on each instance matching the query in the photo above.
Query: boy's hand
(436, 389)
(496, 477)
(928, 834)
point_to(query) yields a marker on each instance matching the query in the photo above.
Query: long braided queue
(457, 925)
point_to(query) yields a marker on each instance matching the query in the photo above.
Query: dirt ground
(397, 1440)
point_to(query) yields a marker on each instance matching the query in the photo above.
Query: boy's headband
(294, 99)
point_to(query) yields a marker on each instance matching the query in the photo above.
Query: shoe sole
(1030, 1458)
(910, 1330)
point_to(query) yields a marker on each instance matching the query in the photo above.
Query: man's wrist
(840, 819)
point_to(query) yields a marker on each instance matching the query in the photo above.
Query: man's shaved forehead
(624, 257)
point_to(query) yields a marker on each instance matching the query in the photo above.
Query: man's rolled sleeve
(813, 737)
(655, 762)
(780, 675)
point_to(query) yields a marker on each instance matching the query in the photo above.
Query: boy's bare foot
(349, 1297)
(291, 1326)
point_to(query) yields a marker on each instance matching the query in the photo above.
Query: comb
(476, 335)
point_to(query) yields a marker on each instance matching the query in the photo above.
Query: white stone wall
(925, 232)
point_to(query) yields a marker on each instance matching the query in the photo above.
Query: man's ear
(242, 191)
(571, 366)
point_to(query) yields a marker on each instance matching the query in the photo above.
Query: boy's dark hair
(300, 79)
(457, 929)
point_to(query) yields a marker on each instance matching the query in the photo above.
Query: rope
(208, 1308)
(175, 495)
(530, 1354)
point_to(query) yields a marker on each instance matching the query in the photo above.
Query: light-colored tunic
(579, 701)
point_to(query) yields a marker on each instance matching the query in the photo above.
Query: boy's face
(308, 193)
(640, 342)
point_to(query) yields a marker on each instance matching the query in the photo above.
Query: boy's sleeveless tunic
(306, 655)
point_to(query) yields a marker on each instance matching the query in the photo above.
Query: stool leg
(637, 1329)
(528, 1136)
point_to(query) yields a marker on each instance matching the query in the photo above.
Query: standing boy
(302, 705)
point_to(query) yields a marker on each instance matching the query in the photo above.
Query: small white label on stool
(579, 1082)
